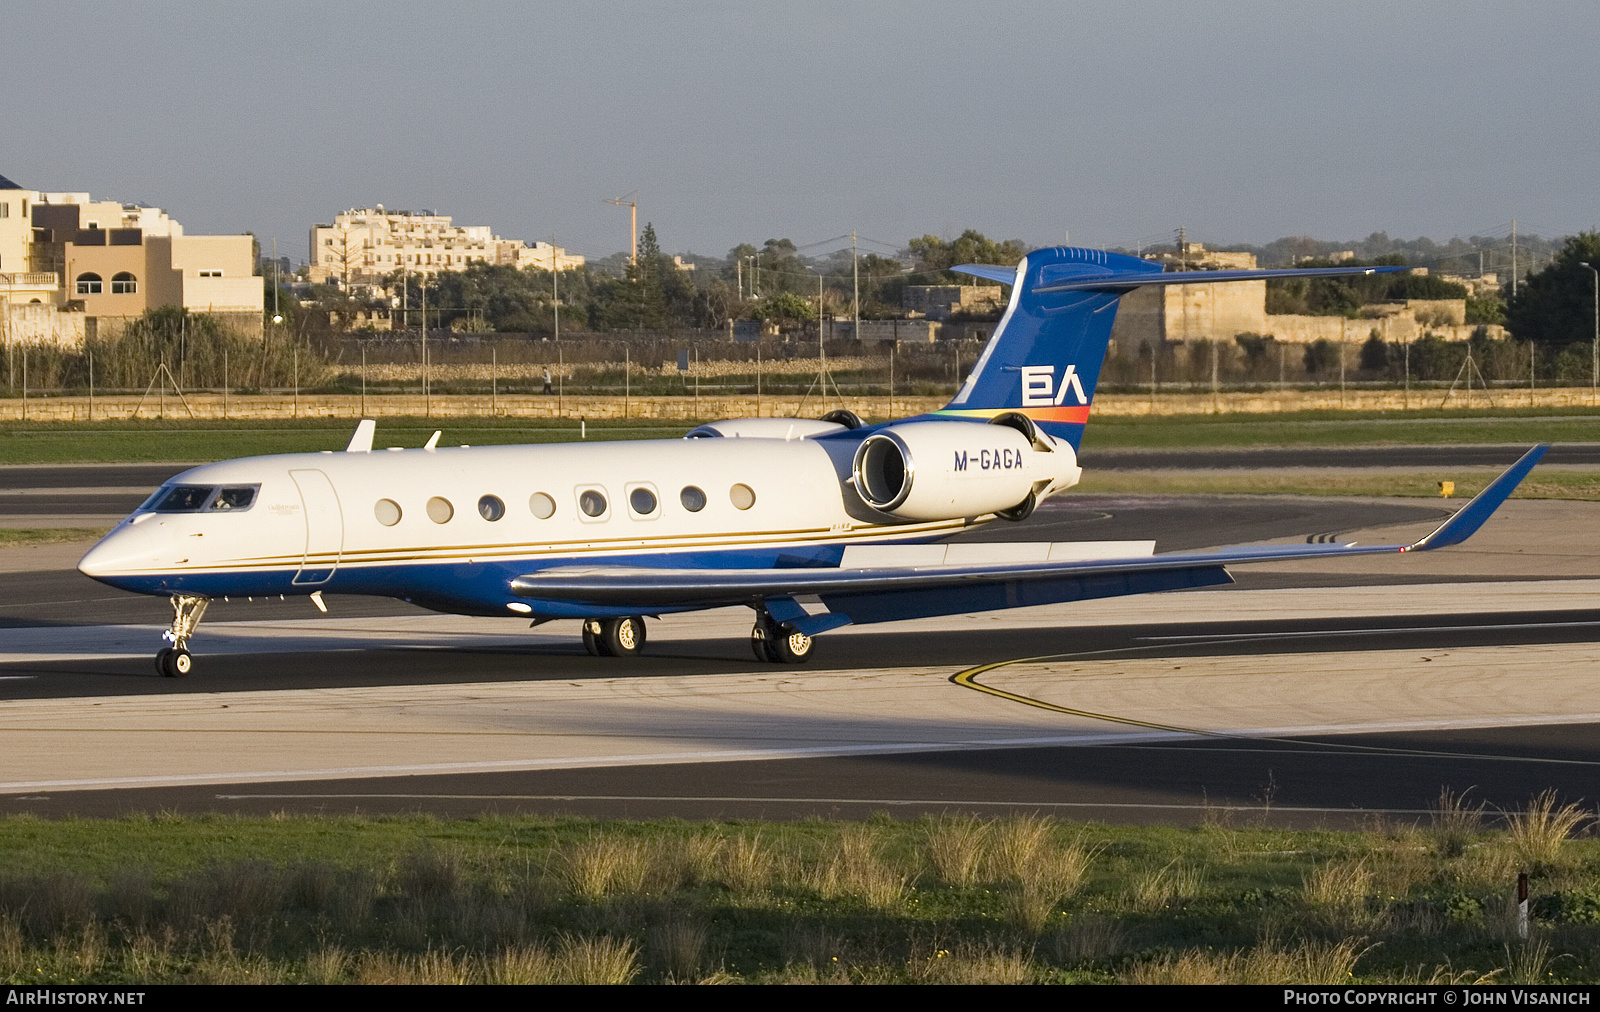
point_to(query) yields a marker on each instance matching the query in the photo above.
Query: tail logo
(1039, 389)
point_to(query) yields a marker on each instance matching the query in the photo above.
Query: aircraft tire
(623, 637)
(593, 640)
(761, 645)
(790, 646)
(172, 663)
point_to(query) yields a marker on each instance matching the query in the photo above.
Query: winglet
(1470, 517)
(361, 439)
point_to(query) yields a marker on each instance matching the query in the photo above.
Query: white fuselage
(450, 527)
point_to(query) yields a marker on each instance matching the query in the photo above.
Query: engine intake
(946, 470)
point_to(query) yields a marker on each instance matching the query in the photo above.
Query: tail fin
(1044, 358)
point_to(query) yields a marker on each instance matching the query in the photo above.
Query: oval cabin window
(592, 503)
(387, 511)
(440, 511)
(693, 499)
(643, 501)
(542, 506)
(742, 496)
(491, 508)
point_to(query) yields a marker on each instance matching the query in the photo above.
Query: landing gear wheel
(171, 663)
(623, 637)
(761, 642)
(778, 644)
(594, 638)
(790, 647)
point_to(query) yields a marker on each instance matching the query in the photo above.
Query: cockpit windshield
(183, 499)
(195, 498)
(234, 497)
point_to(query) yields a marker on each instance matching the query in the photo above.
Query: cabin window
(693, 498)
(439, 510)
(89, 284)
(742, 496)
(387, 511)
(124, 283)
(542, 506)
(234, 497)
(592, 502)
(491, 508)
(642, 500)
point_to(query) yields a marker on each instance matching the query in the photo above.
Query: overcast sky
(1243, 121)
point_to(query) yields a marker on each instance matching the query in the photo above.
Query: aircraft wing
(876, 593)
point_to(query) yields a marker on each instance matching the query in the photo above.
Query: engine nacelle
(945, 470)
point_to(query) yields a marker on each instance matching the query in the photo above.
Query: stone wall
(617, 409)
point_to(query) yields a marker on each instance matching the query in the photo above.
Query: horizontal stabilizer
(989, 272)
(1122, 282)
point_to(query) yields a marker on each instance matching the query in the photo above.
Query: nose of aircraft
(128, 548)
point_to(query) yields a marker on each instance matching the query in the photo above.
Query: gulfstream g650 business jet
(812, 524)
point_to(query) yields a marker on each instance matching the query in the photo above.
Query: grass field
(171, 440)
(952, 899)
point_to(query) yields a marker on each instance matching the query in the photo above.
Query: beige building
(362, 245)
(85, 266)
(940, 302)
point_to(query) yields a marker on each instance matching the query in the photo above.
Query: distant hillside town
(73, 268)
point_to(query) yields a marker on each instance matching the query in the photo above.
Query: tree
(935, 256)
(1374, 354)
(1555, 307)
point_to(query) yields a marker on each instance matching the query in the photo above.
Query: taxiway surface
(1319, 692)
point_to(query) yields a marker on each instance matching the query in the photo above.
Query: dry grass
(606, 865)
(1539, 833)
(747, 864)
(1341, 886)
(678, 945)
(327, 965)
(974, 963)
(1454, 823)
(697, 859)
(954, 844)
(1090, 940)
(1013, 843)
(1053, 875)
(1307, 963)
(856, 868)
(1155, 888)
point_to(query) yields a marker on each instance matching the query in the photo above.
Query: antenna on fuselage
(433, 440)
(361, 439)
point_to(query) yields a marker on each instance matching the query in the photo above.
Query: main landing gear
(778, 642)
(614, 637)
(176, 661)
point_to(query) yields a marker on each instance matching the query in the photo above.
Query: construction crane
(633, 209)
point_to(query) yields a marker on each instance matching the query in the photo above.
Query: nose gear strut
(175, 661)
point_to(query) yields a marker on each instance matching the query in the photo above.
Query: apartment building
(364, 244)
(71, 266)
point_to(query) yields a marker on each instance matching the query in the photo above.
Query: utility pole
(1594, 383)
(855, 302)
(427, 393)
(1513, 258)
(738, 273)
(633, 208)
(555, 287)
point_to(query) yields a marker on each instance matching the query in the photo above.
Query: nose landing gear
(614, 637)
(176, 661)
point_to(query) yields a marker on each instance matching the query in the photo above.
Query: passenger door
(324, 526)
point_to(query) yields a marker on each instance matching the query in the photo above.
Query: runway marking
(821, 801)
(968, 679)
(1313, 633)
